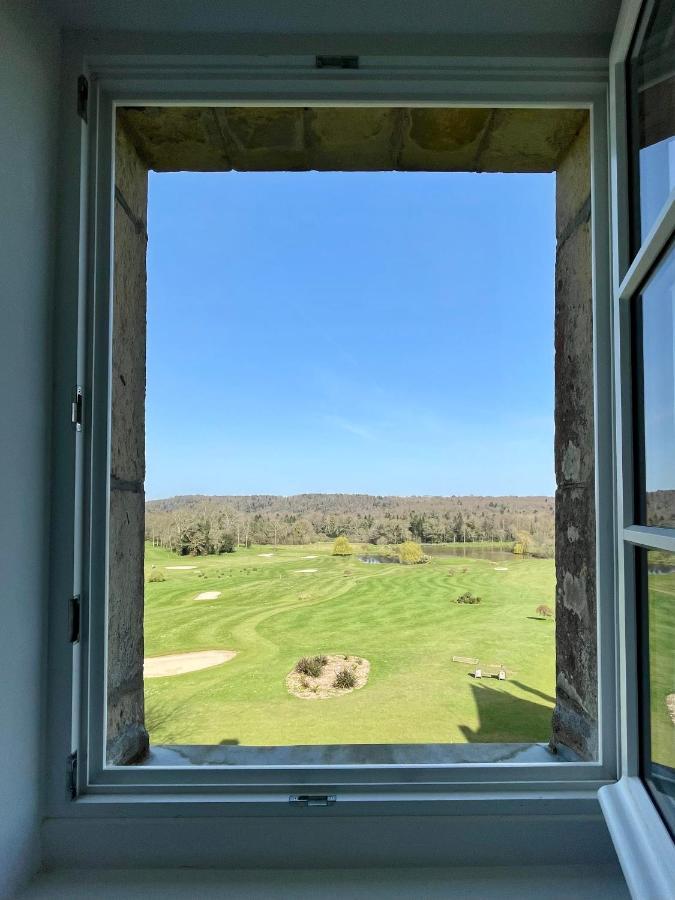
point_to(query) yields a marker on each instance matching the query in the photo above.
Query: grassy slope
(402, 618)
(662, 664)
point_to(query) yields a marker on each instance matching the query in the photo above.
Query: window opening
(413, 556)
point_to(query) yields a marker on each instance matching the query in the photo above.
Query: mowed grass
(662, 665)
(403, 619)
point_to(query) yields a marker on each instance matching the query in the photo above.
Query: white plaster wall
(29, 60)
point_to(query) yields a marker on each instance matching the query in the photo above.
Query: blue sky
(383, 333)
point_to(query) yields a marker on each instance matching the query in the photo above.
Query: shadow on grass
(228, 741)
(531, 690)
(503, 718)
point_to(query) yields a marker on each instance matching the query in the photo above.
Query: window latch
(72, 775)
(77, 408)
(82, 97)
(74, 620)
(312, 799)
(336, 62)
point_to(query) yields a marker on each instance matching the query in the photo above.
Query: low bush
(468, 598)
(311, 665)
(344, 680)
(410, 554)
(342, 547)
(156, 575)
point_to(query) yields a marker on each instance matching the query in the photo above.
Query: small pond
(446, 550)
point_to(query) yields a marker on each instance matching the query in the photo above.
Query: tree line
(199, 525)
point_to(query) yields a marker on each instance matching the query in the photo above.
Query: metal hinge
(336, 62)
(82, 97)
(312, 799)
(77, 408)
(74, 620)
(72, 775)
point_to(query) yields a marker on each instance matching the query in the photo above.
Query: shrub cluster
(344, 679)
(468, 598)
(342, 547)
(311, 665)
(156, 575)
(410, 554)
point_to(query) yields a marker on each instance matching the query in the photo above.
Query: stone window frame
(81, 501)
(348, 139)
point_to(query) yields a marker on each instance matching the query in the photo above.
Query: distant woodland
(199, 525)
(660, 508)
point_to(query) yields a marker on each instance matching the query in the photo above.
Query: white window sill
(353, 754)
(641, 840)
(603, 882)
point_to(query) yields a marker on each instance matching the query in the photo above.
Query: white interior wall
(29, 67)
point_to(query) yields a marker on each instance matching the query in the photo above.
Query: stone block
(264, 139)
(528, 140)
(131, 174)
(128, 358)
(573, 180)
(444, 139)
(358, 139)
(574, 434)
(263, 129)
(175, 139)
(126, 736)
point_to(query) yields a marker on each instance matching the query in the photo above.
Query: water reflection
(468, 552)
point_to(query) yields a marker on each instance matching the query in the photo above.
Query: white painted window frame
(141, 71)
(642, 841)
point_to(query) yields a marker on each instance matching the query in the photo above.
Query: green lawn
(401, 618)
(662, 663)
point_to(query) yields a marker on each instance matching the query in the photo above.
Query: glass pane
(655, 333)
(652, 92)
(660, 690)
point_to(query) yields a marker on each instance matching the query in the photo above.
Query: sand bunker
(180, 568)
(305, 571)
(501, 569)
(321, 688)
(180, 663)
(309, 557)
(266, 554)
(208, 595)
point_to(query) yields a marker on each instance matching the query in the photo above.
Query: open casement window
(643, 73)
(106, 735)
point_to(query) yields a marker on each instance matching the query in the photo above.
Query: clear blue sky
(387, 333)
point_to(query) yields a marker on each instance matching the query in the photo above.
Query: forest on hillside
(198, 525)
